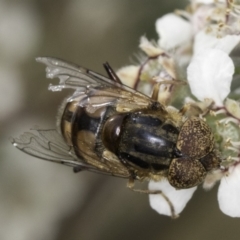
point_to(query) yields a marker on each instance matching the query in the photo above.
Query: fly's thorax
(142, 140)
(112, 131)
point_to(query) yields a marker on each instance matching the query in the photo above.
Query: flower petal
(210, 74)
(212, 178)
(205, 40)
(173, 31)
(233, 107)
(149, 48)
(178, 198)
(128, 75)
(229, 193)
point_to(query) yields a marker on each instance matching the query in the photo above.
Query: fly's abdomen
(81, 127)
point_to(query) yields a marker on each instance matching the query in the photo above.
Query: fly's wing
(45, 144)
(49, 145)
(103, 91)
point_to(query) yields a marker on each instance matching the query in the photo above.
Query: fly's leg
(113, 76)
(155, 91)
(196, 108)
(167, 90)
(130, 185)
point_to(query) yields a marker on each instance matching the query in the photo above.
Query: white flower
(128, 75)
(172, 202)
(173, 31)
(149, 48)
(215, 33)
(205, 40)
(210, 75)
(229, 193)
(211, 25)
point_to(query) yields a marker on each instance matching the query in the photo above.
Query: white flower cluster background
(198, 46)
(195, 42)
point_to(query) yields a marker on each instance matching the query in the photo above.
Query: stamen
(235, 144)
(233, 149)
(228, 120)
(220, 111)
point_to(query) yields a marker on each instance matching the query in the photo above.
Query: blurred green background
(44, 201)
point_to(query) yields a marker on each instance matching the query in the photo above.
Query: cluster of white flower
(197, 47)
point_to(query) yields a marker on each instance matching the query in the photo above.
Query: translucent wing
(49, 145)
(89, 83)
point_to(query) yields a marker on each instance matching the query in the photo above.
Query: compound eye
(185, 173)
(195, 138)
(210, 161)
